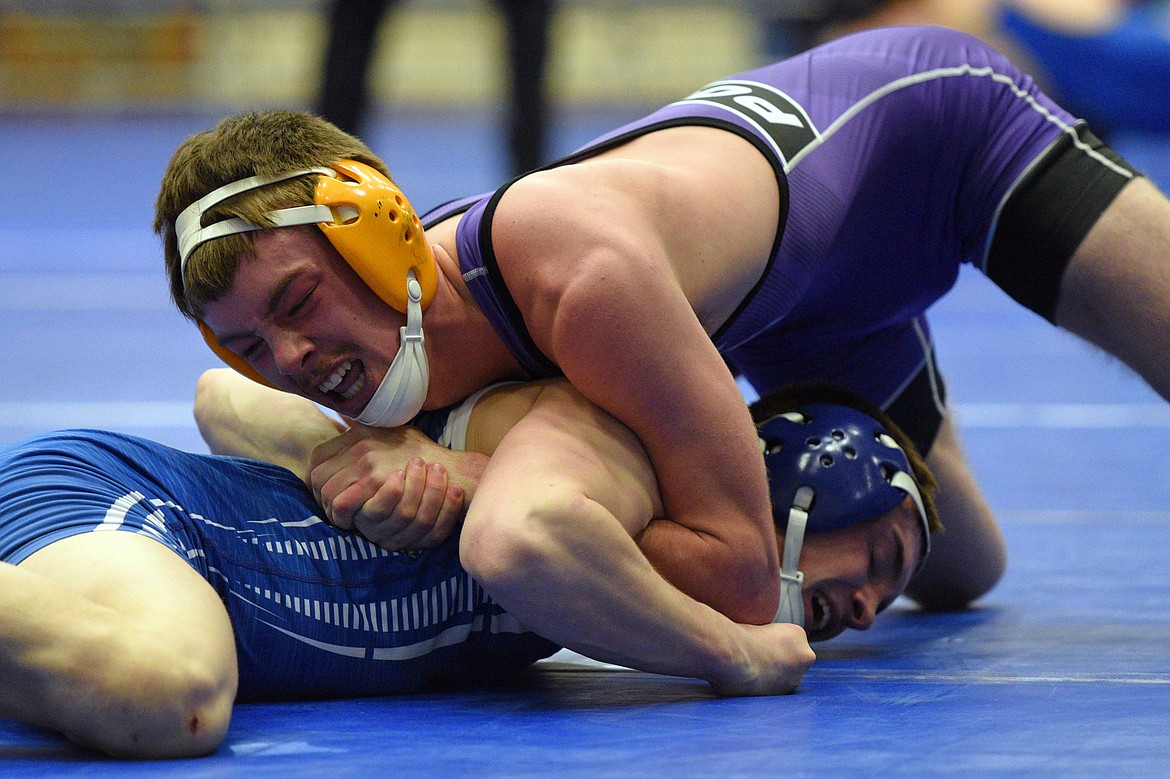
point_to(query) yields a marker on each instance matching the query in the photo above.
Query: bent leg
(114, 641)
(968, 558)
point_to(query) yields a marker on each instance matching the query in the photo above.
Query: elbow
(506, 555)
(211, 399)
(933, 591)
(151, 712)
(210, 390)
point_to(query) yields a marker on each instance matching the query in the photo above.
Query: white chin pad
(403, 390)
(791, 578)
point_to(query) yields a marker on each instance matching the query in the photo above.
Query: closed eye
(252, 350)
(303, 302)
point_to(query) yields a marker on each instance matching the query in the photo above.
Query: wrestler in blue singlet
(316, 612)
(899, 153)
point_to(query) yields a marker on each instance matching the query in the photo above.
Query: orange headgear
(366, 218)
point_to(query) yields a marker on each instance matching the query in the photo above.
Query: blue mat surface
(1064, 670)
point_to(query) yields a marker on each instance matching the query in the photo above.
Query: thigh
(133, 652)
(1115, 292)
(147, 585)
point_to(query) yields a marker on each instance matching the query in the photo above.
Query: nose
(291, 351)
(862, 610)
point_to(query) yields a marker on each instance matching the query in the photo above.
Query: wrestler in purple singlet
(896, 152)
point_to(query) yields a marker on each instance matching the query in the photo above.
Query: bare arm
(89, 648)
(556, 550)
(609, 310)
(556, 547)
(239, 417)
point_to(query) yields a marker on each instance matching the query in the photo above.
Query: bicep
(635, 348)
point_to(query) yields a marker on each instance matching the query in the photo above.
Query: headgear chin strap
(791, 577)
(830, 466)
(403, 389)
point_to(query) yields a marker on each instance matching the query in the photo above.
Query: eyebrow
(273, 303)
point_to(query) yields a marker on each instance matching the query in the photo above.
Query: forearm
(720, 545)
(580, 581)
(551, 537)
(239, 417)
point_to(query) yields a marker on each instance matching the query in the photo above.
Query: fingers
(395, 517)
(424, 517)
(449, 513)
(414, 508)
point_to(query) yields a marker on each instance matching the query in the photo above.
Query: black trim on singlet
(487, 252)
(432, 217)
(496, 279)
(916, 409)
(1048, 215)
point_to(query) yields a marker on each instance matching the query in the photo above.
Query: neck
(466, 353)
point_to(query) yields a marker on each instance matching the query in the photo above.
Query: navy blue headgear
(830, 466)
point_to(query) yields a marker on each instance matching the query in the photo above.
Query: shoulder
(559, 211)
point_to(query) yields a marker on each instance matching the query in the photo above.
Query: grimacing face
(299, 315)
(852, 574)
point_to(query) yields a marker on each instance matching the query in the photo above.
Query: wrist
(465, 470)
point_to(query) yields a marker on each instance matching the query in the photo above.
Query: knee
(955, 590)
(969, 557)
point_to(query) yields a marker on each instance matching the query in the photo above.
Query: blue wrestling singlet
(317, 612)
(895, 151)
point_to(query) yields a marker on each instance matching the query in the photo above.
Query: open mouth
(345, 382)
(822, 613)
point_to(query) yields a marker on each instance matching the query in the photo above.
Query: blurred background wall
(222, 55)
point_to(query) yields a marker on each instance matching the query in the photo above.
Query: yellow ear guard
(365, 217)
(377, 232)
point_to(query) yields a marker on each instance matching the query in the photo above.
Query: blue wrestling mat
(1064, 670)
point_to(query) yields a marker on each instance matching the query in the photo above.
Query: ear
(376, 231)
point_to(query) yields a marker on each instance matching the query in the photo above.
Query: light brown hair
(256, 143)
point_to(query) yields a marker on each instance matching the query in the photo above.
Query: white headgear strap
(791, 577)
(189, 229)
(403, 389)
